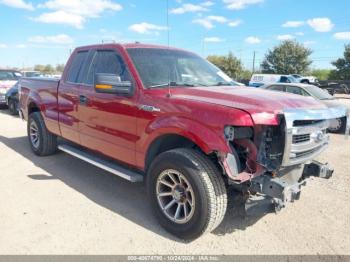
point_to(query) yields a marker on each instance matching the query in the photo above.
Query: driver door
(108, 121)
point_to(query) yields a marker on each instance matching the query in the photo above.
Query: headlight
(3, 91)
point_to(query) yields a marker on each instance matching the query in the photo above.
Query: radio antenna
(167, 22)
(168, 43)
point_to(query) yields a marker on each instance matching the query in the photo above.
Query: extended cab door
(68, 97)
(108, 121)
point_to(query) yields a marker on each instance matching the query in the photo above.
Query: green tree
(231, 65)
(59, 68)
(48, 69)
(246, 74)
(321, 74)
(39, 68)
(290, 57)
(342, 71)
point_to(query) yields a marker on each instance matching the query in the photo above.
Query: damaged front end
(276, 161)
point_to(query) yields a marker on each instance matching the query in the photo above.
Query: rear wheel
(187, 193)
(41, 141)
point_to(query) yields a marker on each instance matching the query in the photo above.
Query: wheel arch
(167, 142)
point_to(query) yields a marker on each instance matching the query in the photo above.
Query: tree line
(289, 57)
(46, 69)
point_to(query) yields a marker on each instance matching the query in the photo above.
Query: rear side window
(276, 88)
(294, 90)
(76, 65)
(108, 62)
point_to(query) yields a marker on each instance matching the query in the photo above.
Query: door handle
(83, 100)
(149, 108)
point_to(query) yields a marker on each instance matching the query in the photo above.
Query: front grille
(306, 122)
(308, 152)
(307, 140)
(301, 138)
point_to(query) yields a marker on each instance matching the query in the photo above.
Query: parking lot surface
(62, 205)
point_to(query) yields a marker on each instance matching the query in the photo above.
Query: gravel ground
(61, 205)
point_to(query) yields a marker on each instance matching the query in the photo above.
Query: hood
(335, 103)
(7, 84)
(262, 105)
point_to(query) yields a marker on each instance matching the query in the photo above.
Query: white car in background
(305, 79)
(31, 74)
(8, 78)
(336, 125)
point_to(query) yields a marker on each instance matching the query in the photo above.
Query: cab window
(284, 79)
(76, 66)
(108, 62)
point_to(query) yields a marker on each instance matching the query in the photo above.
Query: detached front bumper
(286, 187)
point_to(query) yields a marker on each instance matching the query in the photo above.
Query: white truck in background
(258, 80)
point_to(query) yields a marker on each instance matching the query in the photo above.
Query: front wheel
(337, 125)
(13, 107)
(187, 193)
(42, 142)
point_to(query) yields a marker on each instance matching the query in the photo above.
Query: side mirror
(112, 84)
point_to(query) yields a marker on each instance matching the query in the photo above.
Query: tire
(45, 143)
(12, 105)
(200, 176)
(339, 125)
(345, 89)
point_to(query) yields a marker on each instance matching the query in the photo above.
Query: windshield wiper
(174, 84)
(221, 83)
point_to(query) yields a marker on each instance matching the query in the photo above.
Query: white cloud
(342, 35)
(191, 8)
(234, 23)
(308, 43)
(146, 28)
(321, 24)
(219, 19)
(299, 33)
(204, 22)
(54, 39)
(3, 45)
(284, 37)
(240, 4)
(252, 40)
(209, 21)
(75, 13)
(293, 24)
(21, 46)
(207, 3)
(213, 39)
(61, 17)
(18, 4)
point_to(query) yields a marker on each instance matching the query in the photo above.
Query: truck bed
(43, 92)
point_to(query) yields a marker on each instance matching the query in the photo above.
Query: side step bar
(101, 163)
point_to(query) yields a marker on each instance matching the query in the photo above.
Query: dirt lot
(61, 205)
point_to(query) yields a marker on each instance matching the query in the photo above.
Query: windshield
(165, 67)
(318, 92)
(9, 75)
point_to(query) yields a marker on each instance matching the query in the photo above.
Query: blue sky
(42, 32)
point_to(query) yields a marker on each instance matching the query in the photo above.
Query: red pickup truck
(169, 118)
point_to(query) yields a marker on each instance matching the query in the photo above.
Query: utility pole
(253, 62)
